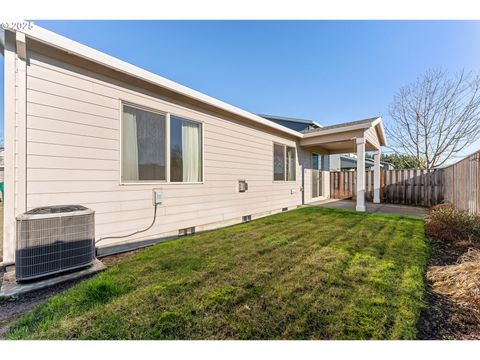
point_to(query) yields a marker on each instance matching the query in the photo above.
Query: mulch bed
(445, 318)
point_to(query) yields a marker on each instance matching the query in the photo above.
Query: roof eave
(379, 122)
(321, 132)
(72, 47)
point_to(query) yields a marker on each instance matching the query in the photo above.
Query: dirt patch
(12, 308)
(112, 260)
(445, 317)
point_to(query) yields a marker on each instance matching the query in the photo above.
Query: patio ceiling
(341, 138)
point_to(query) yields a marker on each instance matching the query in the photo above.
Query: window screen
(278, 162)
(143, 145)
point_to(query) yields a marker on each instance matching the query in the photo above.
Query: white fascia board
(384, 141)
(2, 40)
(72, 47)
(379, 122)
(339, 129)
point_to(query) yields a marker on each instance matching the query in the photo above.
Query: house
(349, 162)
(333, 162)
(82, 127)
(2, 156)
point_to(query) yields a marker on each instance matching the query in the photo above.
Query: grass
(311, 273)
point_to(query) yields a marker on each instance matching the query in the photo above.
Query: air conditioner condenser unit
(54, 239)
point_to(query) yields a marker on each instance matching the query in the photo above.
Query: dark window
(278, 162)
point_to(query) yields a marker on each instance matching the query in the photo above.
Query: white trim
(9, 233)
(21, 46)
(360, 205)
(21, 128)
(376, 177)
(379, 122)
(120, 150)
(167, 147)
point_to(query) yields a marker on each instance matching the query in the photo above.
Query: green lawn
(311, 273)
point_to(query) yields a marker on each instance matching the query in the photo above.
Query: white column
(360, 174)
(376, 177)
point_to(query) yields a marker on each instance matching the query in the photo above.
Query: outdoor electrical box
(157, 196)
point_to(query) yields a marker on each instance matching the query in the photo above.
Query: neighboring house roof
(353, 161)
(290, 119)
(350, 123)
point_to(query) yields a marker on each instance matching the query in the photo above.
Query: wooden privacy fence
(462, 184)
(458, 184)
(409, 187)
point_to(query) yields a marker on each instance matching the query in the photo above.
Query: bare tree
(436, 117)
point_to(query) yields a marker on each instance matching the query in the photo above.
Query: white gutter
(72, 47)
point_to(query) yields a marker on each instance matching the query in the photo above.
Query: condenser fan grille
(53, 242)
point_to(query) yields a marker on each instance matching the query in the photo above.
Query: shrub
(445, 222)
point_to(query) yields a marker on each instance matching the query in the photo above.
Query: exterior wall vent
(242, 185)
(285, 209)
(246, 218)
(54, 239)
(187, 231)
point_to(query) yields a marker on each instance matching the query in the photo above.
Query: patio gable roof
(341, 138)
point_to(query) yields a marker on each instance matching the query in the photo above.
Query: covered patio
(355, 137)
(405, 210)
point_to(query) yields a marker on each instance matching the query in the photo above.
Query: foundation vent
(246, 218)
(187, 231)
(54, 239)
(285, 209)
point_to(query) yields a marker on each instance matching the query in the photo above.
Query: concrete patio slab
(10, 287)
(413, 211)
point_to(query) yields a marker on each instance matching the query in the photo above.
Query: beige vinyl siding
(372, 137)
(73, 156)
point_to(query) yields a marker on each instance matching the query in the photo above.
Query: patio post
(376, 177)
(360, 174)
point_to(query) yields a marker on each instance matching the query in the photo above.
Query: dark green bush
(445, 222)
